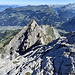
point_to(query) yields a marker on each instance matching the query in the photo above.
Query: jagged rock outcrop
(55, 58)
(30, 36)
(40, 57)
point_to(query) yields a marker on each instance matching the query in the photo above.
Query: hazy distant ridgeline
(55, 15)
(3, 7)
(22, 15)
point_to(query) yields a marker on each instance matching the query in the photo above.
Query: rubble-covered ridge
(54, 58)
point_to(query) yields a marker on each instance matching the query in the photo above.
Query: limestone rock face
(30, 53)
(31, 35)
(55, 58)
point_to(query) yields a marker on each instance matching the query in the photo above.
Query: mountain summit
(30, 36)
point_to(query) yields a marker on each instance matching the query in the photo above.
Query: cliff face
(30, 36)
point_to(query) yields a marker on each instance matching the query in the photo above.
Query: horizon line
(37, 4)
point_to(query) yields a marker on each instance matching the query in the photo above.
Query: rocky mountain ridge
(40, 58)
(30, 36)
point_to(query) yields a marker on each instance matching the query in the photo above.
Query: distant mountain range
(55, 15)
(21, 16)
(3, 7)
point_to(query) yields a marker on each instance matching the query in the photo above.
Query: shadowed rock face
(71, 37)
(30, 36)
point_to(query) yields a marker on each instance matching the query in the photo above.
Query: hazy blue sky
(35, 2)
